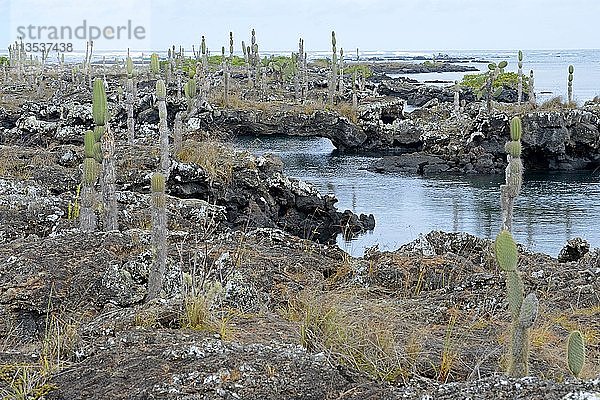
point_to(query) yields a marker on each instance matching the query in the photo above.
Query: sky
(365, 24)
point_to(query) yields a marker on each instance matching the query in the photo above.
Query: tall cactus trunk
(109, 182)
(130, 119)
(159, 236)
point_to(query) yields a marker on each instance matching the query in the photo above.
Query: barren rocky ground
(258, 303)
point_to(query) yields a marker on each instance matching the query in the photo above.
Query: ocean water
(552, 207)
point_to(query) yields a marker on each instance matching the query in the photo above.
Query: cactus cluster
(493, 72)
(570, 84)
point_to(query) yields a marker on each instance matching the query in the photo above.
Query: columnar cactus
(225, 78)
(163, 130)
(103, 132)
(190, 89)
(523, 311)
(92, 152)
(301, 71)
(354, 95)
(154, 65)
(255, 58)
(341, 84)
(576, 353)
(531, 89)
(456, 99)
(159, 236)
(333, 77)
(177, 134)
(130, 101)
(570, 84)
(520, 77)
(513, 173)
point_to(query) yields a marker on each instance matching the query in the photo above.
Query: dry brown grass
(216, 159)
(557, 104)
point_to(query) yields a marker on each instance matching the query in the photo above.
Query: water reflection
(551, 208)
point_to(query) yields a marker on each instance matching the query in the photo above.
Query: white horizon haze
(395, 25)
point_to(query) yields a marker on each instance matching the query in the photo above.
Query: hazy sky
(366, 24)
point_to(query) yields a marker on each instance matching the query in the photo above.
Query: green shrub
(3, 60)
(236, 61)
(360, 69)
(505, 79)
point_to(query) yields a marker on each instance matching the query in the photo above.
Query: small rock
(573, 250)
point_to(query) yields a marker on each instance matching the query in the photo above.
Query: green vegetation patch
(360, 69)
(504, 79)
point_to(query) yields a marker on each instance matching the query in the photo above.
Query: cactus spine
(87, 216)
(523, 311)
(576, 353)
(334, 62)
(163, 130)
(103, 133)
(130, 101)
(570, 84)
(159, 236)
(520, 77)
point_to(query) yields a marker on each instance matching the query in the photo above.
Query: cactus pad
(576, 353)
(514, 293)
(506, 251)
